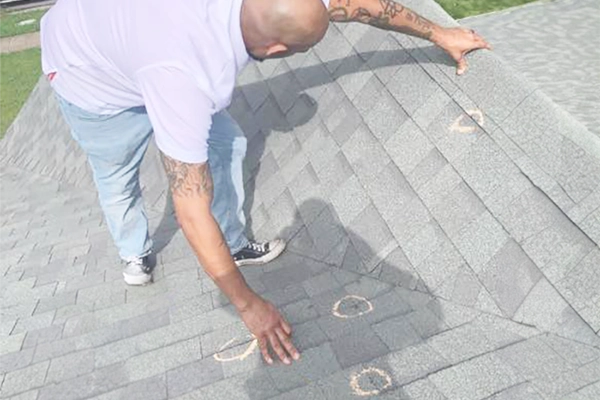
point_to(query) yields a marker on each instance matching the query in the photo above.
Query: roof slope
(556, 45)
(465, 210)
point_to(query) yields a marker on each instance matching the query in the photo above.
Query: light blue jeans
(115, 146)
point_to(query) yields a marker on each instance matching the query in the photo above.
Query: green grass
(466, 8)
(9, 22)
(19, 72)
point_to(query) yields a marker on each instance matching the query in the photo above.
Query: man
(124, 69)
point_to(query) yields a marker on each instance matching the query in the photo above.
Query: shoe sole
(137, 280)
(273, 254)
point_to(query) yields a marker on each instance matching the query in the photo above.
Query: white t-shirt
(178, 58)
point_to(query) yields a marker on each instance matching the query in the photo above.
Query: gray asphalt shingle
(463, 209)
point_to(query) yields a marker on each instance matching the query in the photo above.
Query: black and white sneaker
(259, 253)
(138, 271)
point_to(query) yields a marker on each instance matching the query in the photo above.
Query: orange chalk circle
(458, 127)
(249, 350)
(359, 391)
(336, 307)
(477, 115)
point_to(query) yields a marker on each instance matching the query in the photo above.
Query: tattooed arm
(385, 14)
(389, 15)
(192, 191)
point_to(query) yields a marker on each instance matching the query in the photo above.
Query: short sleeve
(180, 113)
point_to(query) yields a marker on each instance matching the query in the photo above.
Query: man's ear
(275, 49)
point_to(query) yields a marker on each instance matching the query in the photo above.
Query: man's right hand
(269, 328)
(192, 189)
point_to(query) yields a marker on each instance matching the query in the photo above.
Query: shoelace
(140, 263)
(136, 261)
(260, 247)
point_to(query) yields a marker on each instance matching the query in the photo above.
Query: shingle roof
(466, 210)
(556, 46)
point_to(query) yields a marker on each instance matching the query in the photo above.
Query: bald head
(277, 28)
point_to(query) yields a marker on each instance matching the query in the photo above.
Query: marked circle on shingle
(370, 381)
(351, 306)
(222, 357)
(458, 127)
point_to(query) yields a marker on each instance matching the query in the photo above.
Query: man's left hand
(458, 42)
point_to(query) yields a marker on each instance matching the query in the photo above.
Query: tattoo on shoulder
(186, 179)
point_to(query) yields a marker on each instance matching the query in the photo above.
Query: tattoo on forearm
(187, 179)
(417, 25)
(420, 21)
(391, 8)
(339, 14)
(363, 15)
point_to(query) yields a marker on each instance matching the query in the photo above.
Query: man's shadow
(257, 110)
(353, 327)
(285, 109)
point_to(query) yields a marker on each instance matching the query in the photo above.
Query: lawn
(9, 22)
(19, 72)
(466, 8)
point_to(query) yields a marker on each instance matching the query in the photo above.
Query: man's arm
(384, 14)
(192, 190)
(389, 15)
